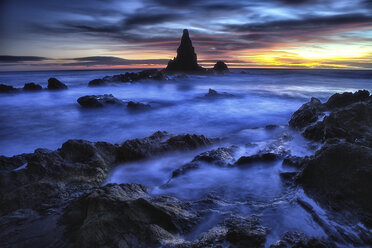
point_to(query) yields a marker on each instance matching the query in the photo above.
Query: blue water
(261, 97)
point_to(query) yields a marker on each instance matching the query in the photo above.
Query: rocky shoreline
(64, 190)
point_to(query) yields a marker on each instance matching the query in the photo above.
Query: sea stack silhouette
(186, 59)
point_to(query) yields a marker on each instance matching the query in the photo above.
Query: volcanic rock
(186, 59)
(55, 84)
(7, 88)
(137, 106)
(125, 216)
(98, 101)
(32, 87)
(220, 67)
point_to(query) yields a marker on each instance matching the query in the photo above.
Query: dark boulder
(125, 216)
(293, 161)
(98, 101)
(55, 84)
(137, 106)
(341, 100)
(186, 59)
(161, 142)
(97, 83)
(307, 114)
(32, 87)
(220, 67)
(7, 88)
(341, 173)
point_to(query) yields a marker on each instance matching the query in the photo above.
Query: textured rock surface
(186, 59)
(307, 114)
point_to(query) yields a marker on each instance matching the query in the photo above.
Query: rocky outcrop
(186, 59)
(135, 106)
(97, 83)
(55, 84)
(126, 216)
(98, 101)
(32, 87)
(341, 100)
(161, 142)
(7, 89)
(260, 157)
(220, 67)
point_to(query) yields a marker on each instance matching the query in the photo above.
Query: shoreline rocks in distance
(213, 93)
(32, 87)
(135, 106)
(55, 84)
(7, 89)
(220, 67)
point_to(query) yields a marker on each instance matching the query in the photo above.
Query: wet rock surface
(214, 94)
(7, 89)
(298, 239)
(99, 101)
(135, 106)
(55, 84)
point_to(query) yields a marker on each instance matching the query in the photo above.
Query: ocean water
(261, 97)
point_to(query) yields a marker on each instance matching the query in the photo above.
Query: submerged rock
(97, 82)
(98, 101)
(260, 157)
(126, 216)
(137, 106)
(55, 84)
(213, 93)
(220, 67)
(7, 88)
(32, 87)
(186, 59)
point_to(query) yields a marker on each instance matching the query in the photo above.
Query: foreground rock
(297, 239)
(7, 89)
(32, 87)
(99, 101)
(341, 174)
(55, 84)
(220, 67)
(186, 59)
(126, 216)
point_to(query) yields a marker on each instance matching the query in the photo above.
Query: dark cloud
(19, 59)
(145, 19)
(110, 61)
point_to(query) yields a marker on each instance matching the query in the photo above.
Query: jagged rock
(7, 88)
(220, 67)
(137, 106)
(32, 87)
(341, 173)
(220, 157)
(293, 161)
(261, 157)
(353, 123)
(307, 114)
(97, 83)
(186, 59)
(161, 142)
(298, 239)
(97, 101)
(341, 100)
(125, 216)
(213, 93)
(55, 84)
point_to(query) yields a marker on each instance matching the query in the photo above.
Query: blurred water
(261, 97)
(47, 119)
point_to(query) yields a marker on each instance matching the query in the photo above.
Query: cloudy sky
(79, 34)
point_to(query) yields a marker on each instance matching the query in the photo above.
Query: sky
(104, 34)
